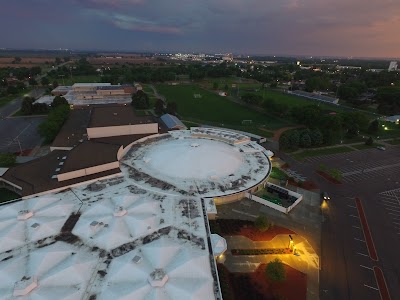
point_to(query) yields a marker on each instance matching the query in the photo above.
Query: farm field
(212, 108)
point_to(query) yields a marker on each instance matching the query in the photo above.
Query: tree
(17, 59)
(373, 126)
(7, 159)
(172, 108)
(215, 86)
(275, 271)
(67, 58)
(32, 81)
(45, 81)
(159, 107)
(369, 141)
(55, 120)
(40, 108)
(262, 223)
(140, 100)
(316, 137)
(58, 60)
(27, 105)
(59, 100)
(55, 84)
(305, 140)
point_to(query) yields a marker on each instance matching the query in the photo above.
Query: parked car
(381, 148)
(325, 196)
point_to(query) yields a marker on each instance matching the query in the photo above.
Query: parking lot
(19, 133)
(390, 200)
(362, 165)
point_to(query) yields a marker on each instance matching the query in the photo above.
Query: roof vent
(137, 259)
(158, 278)
(119, 211)
(54, 177)
(115, 114)
(61, 163)
(24, 214)
(35, 225)
(25, 286)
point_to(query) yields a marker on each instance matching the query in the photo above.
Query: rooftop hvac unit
(137, 259)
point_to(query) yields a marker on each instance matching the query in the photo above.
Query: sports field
(213, 108)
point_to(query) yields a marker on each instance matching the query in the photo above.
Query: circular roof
(194, 158)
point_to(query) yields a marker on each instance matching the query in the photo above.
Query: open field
(212, 108)
(318, 152)
(27, 62)
(122, 60)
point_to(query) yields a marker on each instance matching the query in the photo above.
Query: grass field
(278, 174)
(212, 108)
(364, 146)
(6, 195)
(394, 142)
(318, 152)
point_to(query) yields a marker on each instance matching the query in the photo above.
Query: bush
(369, 141)
(262, 223)
(322, 167)
(275, 271)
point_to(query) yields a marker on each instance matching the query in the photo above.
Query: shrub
(275, 271)
(262, 223)
(369, 141)
(7, 159)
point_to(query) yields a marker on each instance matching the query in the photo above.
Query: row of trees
(323, 128)
(55, 120)
(140, 100)
(29, 107)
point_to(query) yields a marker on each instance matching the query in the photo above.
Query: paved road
(346, 268)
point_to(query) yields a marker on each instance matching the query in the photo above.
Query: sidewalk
(307, 261)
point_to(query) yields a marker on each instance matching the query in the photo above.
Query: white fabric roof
(219, 245)
(49, 213)
(187, 270)
(141, 217)
(62, 272)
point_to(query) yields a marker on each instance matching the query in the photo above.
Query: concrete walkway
(307, 261)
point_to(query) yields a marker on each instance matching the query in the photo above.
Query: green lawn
(278, 174)
(4, 100)
(387, 130)
(394, 142)
(364, 146)
(214, 109)
(6, 195)
(318, 152)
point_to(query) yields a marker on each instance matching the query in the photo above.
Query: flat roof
(89, 154)
(116, 115)
(74, 128)
(90, 84)
(36, 176)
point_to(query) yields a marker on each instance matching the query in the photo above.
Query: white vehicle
(381, 148)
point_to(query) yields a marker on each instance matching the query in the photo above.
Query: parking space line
(359, 240)
(397, 215)
(351, 206)
(366, 267)
(391, 209)
(358, 227)
(354, 216)
(366, 231)
(362, 254)
(371, 287)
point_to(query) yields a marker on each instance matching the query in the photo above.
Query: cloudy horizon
(289, 27)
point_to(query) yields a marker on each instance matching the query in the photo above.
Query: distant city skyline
(336, 28)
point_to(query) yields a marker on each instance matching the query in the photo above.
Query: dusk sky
(367, 28)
